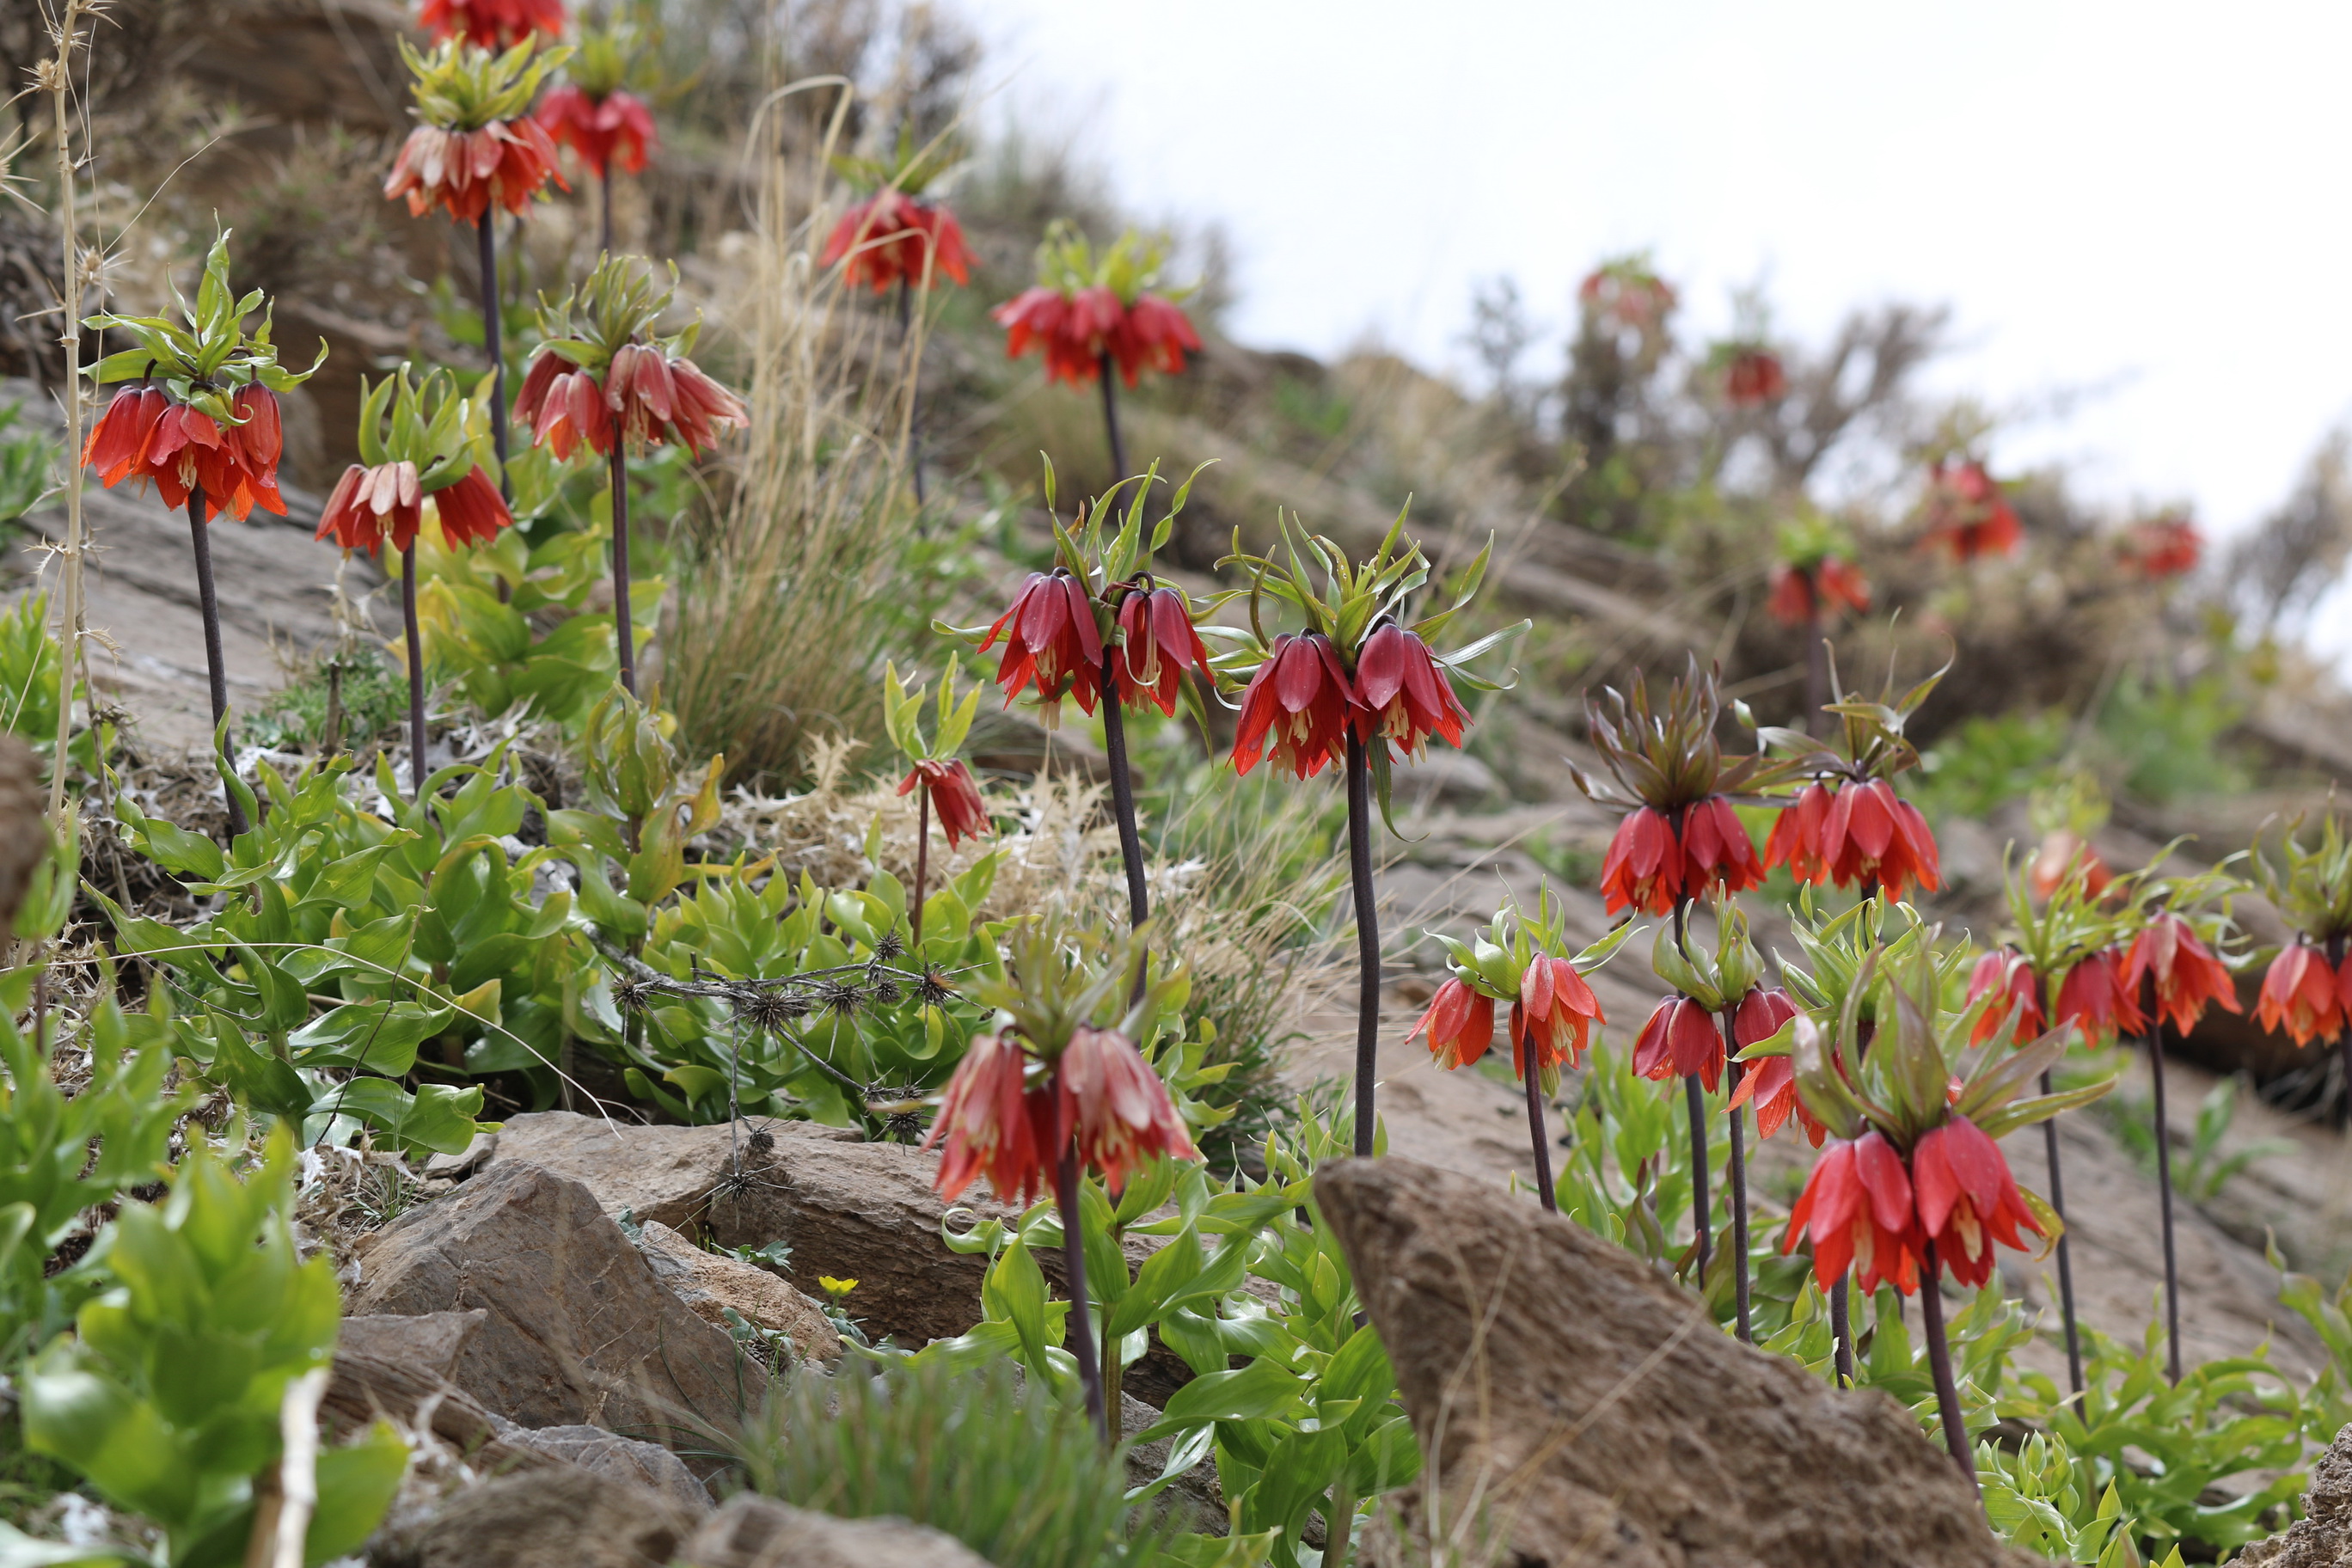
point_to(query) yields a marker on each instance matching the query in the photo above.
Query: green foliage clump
(363, 690)
(27, 466)
(1987, 762)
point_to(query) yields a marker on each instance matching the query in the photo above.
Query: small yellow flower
(836, 1289)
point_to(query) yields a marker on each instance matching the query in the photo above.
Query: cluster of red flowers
(601, 130)
(1967, 514)
(1301, 705)
(464, 172)
(1653, 862)
(954, 792)
(1754, 376)
(1862, 832)
(891, 237)
(385, 504)
(1800, 593)
(1100, 1092)
(1629, 294)
(2166, 547)
(646, 395)
(1864, 1210)
(145, 435)
(2100, 993)
(2305, 996)
(1555, 1012)
(491, 24)
(1078, 330)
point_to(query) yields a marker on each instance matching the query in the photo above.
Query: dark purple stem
(215, 661)
(1738, 1171)
(415, 669)
(1081, 1334)
(1110, 421)
(492, 344)
(922, 864)
(2164, 1188)
(1368, 940)
(1536, 1130)
(621, 625)
(914, 392)
(1939, 1362)
(2058, 1206)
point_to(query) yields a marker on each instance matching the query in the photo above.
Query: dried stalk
(55, 78)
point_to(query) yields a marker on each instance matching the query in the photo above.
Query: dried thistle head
(631, 994)
(881, 988)
(888, 947)
(840, 997)
(932, 990)
(771, 1009)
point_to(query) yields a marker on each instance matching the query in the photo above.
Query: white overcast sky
(2144, 202)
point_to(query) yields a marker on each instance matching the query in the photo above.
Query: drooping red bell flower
(1051, 640)
(995, 1126)
(1404, 694)
(1966, 1199)
(1801, 594)
(1967, 514)
(563, 408)
(1556, 1009)
(892, 237)
(371, 506)
(472, 511)
(1716, 849)
(144, 435)
(491, 24)
(1075, 329)
(1461, 1025)
(1643, 867)
(1122, 1115)
(954, 792)
(2093, 998)
(647, 395)
(1627, 293)
(1754, 376)
(1155, 335)
(2303, 996)
(1297, 708)
(2011, 980)
(2188, 977)
(2166, 547)
(463, 172)
(1160, 645)
(618, 127)
(1858, 1209)
(1769, 1083)
(1795, 840)
(1680, 1041)
(1870, 834)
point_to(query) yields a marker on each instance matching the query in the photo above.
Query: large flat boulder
(1601, 1419)
(556, 1517)
(576, 1330)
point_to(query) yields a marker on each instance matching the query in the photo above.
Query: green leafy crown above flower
(1665, 757)
(902, 714)
(442, 431)
(1128, 266)
(618, 305)
(2311, 887)
(912, 168)
(206, 356)
(462, 86)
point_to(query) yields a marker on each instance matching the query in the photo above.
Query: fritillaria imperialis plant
(934, 773)
(593, 112)
(2308, 990)
(1752, 375)
(1967, 514)
(1524, 962)
(202, 426)
(1101, 622)
(895, 234)
(417, 440)
(601, 377)
(1057, 1088)
(1090, 313)
(1913, 1182)
(2161, 548)
(1846, 825)
(1814, 579)
(1627, 293)
(476, 149)
(492, 23)
(1360, 685)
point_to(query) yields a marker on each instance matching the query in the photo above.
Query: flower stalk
(56, 77)
(1940, 1362)
(416, 662)
(2164, 1193)
(1368, 942)
(623, 630)
(1074, 1267)
(494, 345)
(1111, 417)
(1736, 1173)
(215, 662)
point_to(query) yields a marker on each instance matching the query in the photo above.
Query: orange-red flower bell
(618, 128)
(993, 1125)
(1556, 1011)
(1404, 694)
(1680, 1041)
(1051, 641)
(491, 24)
(1297, 708)
(1966, 1199)
(2304, 997)
(1160, 645)
(2186, 975)
(892, 237)
(1461, 1025)
(1858, 1209)
(1121, 1113)
(954, 792)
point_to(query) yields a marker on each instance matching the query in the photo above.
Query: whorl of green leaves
(1871, 743)
(1128, 266)
(2315, 889)
(1495, 962)
(1714, 982)
(902, 714)
(618, 305)
(1668, 756)
(205, 357)
(1063, 977)
(431, 424)
(463, 87)
(909, 169)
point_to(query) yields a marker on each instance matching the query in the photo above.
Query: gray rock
(1599, 1417)
(557, 1517)
(2323, 1537)
(1194, 1497)
(576, 1330)
(760, 1533)
(711, 1284)
(625, 1460)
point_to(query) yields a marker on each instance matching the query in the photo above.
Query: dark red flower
(1716, 849)
(1628, 293)
(144, 435)
(1857, 1207)
(1870, 834)
(2303, 996)
(1796, 837)
(1769, 1082)
(2188, 977)
(1966, 1199)
(1050, 639)
(1680, 1041)
(2011, 980)
(2166, 547)
(1159, 645)
(659, 398)
(2062, 854)
(954, 792)
(463, 172)
(1121, 1113)
(616, 127)
(1800, 593)
(891, 236)
(491, 24)
(564, 407)
(2093, 998)
(1404, 695)
(1077, 330)
(1643, 867)
(472, 511)
(1754, 376)
(1296, 708)
(993, 1125)
(1556, 1009)
(1967, 514)
(370, 507)
(1461, 1025)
